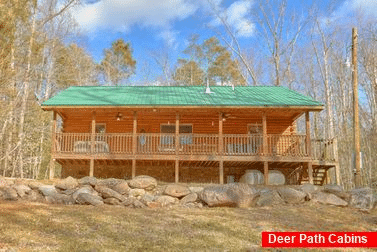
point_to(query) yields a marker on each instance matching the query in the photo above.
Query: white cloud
(170, 37)
(349, 8)
(236, 16)
(121, 15)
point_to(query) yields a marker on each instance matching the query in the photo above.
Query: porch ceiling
(290, 114)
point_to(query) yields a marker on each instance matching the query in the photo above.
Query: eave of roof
(179, 97)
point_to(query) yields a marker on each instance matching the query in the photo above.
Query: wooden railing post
(177, 148)
(221, 149)
(54, 133)
(308, 141)
(308, 146)
(134, 144)
(91, 170)
(264, 130)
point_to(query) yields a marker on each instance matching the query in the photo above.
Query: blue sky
(163, 27)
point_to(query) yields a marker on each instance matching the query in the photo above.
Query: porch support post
(265, 172)
(91, 170)
(52, 166)
(310, 172)
(337, 169)
(177, 148)
(264, 129)
(308, 147)
(176, 170)
(134, 144)
(221, 149)
(308, 142)
(133, 167)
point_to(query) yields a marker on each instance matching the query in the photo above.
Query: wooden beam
(221, 149)
(91, 170)
(221, 144)
(176, 171)
(133, 168)
(91, 166)
(308, 142)
(265, 173)
(221, 171)
(264, 128)
(310, 172)
(134, 132)
(54, 126)
(177, 135)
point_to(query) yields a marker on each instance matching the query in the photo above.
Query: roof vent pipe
(208, 90)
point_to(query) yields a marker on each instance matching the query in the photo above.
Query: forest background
(42, 53)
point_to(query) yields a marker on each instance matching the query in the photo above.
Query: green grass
(42, 227)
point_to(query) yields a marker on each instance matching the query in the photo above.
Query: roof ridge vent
(208, 90)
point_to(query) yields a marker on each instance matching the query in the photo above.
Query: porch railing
(193, 144)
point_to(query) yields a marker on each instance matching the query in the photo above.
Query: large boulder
(177, 191)
(363, 198)
(88, 181)
(196, 189)
(328, 198)
(84, 189)
(34, 196)
(143, 182)
(122, 187)
(3, 182)
(234, 195)
(60, 199)
(166, 200)
(128, 201)
(9, 193)
(111, 201)
(110, 182)
(67, 183)
(89, 199)
(108, 193)
(252, 177)
(190, 198)
(47, 190)
(138, 204)
(269, 197)
(338, 191)
(136, 193)
(290, 195)
(146, 199)
(308, 188)
(276, 177)
(22, 189)
(34, 185)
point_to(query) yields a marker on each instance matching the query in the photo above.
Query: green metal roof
(250, 96)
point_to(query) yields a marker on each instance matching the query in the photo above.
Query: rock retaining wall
(143, 191)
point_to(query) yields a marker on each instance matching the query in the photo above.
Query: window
(170, 128)
(100, 127)
(255, 128)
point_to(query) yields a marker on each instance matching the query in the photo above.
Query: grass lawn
(43, 227)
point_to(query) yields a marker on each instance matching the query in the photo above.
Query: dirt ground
(42, 227)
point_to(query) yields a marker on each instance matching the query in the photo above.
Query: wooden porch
(296, 152)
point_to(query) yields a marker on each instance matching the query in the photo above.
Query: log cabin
(188, 134)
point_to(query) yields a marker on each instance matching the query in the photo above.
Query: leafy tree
(118, 64)
(74, 67)
(209, 60)
(189, 73)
